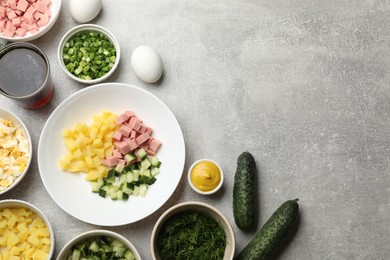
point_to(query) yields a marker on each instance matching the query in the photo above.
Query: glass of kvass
(25, 75)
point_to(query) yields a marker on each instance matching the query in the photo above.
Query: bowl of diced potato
(15, 150)
(25, 233)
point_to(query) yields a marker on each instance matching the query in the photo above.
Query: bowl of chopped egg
(26, 232)
(15, 150)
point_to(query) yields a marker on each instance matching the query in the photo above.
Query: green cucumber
(244, 192)
(272, 234)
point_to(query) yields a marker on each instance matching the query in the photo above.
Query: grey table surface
(303, 85)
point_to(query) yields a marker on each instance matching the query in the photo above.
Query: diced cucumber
(129, 177)
(102, 192)
(129, 157)
(76, 255)
(136, 190)
(95, 186)
(141, 153)
(154, 161)
(129, 255)
(145, 163)
(94, 247)
(119, 168)
(154, 171)
(143, 188)
(147, 173)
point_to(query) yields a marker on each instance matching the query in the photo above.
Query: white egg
(84, 10)
(147, 64)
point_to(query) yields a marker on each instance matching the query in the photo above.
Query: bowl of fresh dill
(192, 230)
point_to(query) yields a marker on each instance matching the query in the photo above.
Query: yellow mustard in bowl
(205, 175)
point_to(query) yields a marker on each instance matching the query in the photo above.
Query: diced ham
(133, 144)
(125, 130)
(22, 5)
(16, 21)
(2, 11)
(142, 129)
(142, 138)
(10, 27)
(41, 7)
(27, 15)
(151, 152)
(11, 14)
(120, 119)
(133, 134)
(121, 161)
(123, 147)
(154, 145)
(117, 135)
(129, 113)
(117, 154)
(20, 32)
(149, 130)
(110, 161)
(144, 146)
(137, 125)
(7, 33)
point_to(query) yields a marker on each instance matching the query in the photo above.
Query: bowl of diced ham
(27, 20)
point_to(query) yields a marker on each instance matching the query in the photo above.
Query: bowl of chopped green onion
(99, 244)
(89, 53)
(192, 230)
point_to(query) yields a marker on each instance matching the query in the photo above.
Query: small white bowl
(89, 27)
(55, 9)
(195, 206)
(19, 124)
(198, 190)
(66, 250)
(23, 204)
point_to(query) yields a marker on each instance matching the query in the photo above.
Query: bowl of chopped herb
(89, 53)
(192, 230)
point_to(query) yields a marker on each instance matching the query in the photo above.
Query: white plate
(55, 9)
(72, 192)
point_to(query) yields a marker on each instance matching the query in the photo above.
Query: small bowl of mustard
(205, 176)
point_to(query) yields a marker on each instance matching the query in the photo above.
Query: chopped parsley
(191, 235)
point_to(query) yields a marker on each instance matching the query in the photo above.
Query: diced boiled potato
(92, 176)
(24, 235)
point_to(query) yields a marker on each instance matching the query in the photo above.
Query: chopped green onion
(89, 55)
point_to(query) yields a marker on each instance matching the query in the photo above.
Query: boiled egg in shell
(84, 11)
(147, 64)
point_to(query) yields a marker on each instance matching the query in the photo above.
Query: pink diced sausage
(16, 21)
(44, 20)
(7, 33)
(125, 130)
(10, 27)
(144, 146)
(142, 129)
(151, 152)
(137, 125)
(11, 4)
(120, 119)
(133, 144)
(24, 25)
(154, 145)
(20, 32)
(22, 5)
(41, 7)
(117, 135)
(32, 26)
(133, 134)
(121, 161)
(142, 138)
(2, 11)
(110, 161)
(11, 14)
(149, 130)
(31, 9)
(129, 113)
(117, 154)
(123, 147)
(37, 15)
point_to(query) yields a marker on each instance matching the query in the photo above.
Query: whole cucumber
(272, 234)
(244, 192)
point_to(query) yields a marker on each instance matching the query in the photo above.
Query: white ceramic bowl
(197, 206)
(22, 204)
(198, 190)
(65, 251)
(19, 124)
(55, 9)
(89, 27)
